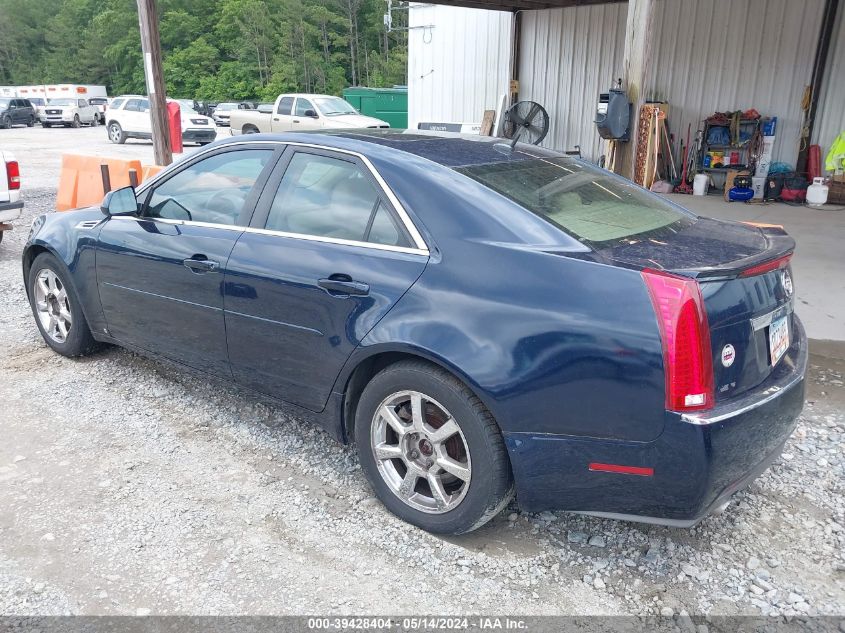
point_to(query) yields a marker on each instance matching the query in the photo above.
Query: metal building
(707, 55)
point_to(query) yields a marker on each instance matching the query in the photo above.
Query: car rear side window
(211, 190)
(116, 104)
(285, 105)
(586, 202)
(329, 197)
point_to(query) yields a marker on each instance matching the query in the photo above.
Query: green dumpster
(387, 104)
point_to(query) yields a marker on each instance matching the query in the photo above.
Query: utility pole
(151, 47)
(636, 65)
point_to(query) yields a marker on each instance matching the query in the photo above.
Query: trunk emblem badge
(786, 282)
(728, 355)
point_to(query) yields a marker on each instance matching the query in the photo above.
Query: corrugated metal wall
(830, 121)
(709, 55)
(459, 68)
(568, 57)
(736, 54)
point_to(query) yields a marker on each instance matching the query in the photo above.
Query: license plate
(778, 339)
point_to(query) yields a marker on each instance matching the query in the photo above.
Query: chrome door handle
(201, 265)
(343, 286)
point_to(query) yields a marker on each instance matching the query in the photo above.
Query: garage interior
(782, 58)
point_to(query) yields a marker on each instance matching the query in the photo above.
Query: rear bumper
(10, 211)
(698, 461)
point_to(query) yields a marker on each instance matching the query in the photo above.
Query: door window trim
(245, 217)
(265, 203)
(420, 247)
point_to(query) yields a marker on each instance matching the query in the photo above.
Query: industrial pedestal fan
(526, 122)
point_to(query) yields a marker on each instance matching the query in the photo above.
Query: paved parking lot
(129, 488)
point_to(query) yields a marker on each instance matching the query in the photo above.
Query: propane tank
(817, 193)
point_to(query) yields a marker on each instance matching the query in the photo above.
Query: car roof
(445, 148)
(309, 95)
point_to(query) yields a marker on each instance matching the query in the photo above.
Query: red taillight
(685, 333)
(13, 174)
(759, 269)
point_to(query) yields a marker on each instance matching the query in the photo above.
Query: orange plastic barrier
(150, 171)
(81, 180)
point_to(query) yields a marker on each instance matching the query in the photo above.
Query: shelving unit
(748, 127)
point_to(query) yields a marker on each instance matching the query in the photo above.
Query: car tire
(476, 483)
(76, 121)
(31, 122)
(57, 308)
(116, 133)
(95, 122)
(45, 124)
(6, 123)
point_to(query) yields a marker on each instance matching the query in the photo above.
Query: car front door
(160, 273)
(305, 115)
(283, 116)
(327, 255)
(86, 111)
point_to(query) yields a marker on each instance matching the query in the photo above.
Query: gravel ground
(130, 488)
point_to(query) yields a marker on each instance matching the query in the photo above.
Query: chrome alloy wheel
(421, 452)
(114, 132)
(52, 305)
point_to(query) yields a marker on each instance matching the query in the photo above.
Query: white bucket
(700, 184)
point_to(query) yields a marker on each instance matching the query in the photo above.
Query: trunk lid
(746, 283)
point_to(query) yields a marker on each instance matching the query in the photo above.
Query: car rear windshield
(586, 202)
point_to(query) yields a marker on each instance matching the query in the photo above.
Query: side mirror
(311, 114)
(120, 202)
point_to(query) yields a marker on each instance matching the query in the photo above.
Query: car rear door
(282, 117)
(19, 114)
(160, 273)
(327, 255)
(133, 118)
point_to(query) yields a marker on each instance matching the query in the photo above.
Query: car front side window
(323, 196)
(303, 106)
(211, 190)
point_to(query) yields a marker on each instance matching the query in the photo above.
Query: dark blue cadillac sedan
(481, 321)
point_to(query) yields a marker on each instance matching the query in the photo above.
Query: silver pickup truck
(10, 191)
(294, 112)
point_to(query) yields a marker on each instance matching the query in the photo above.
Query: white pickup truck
(68, 112)
(293, 112)
(10, 191)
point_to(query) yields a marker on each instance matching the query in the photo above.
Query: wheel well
(250, 127)
(28, 258)
(365, 372)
